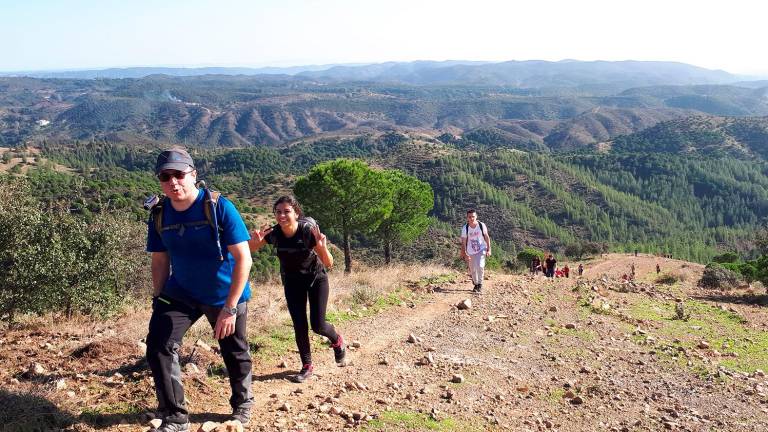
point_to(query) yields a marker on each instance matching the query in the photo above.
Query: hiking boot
(340, 352)
(477, 288)
(172, 427)
(304, 374)
(242, 414)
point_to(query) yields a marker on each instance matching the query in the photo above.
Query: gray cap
(174, 159)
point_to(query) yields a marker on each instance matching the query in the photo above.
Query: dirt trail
(377, 333)
(533, 354)
(615, 265)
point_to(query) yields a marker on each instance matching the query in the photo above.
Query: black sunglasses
(166, 175)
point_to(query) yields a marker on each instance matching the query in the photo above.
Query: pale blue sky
(79, 34)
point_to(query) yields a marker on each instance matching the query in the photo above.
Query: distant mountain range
(141, 72)
(530, 74)
(588, 75)
(578, 104)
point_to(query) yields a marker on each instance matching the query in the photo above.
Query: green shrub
(666, 279)
(54, 261)
(716, 276)
(728, 257)
(527, 254)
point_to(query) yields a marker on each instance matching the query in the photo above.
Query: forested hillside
(673, 169)
(688, 205)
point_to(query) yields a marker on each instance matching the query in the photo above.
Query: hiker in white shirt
(475, 246)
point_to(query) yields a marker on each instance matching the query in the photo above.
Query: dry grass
(267, 307)
(367, 283)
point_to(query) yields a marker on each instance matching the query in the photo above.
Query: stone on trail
(230, 426)
(202, 345)
(570, 326)
(61, 384)
(356, 344)
(37, 369)
(283, 364)
(191, 368)
(430, 359)
(703, 345)
(208, 426)
(155, 423)
(457, 378)
(577, 400)
(285, 407)
(465, 304)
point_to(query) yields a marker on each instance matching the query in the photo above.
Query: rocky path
(528, 354)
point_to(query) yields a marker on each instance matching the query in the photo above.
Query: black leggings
(297, 288)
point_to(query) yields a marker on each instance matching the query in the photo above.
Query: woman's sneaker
(304, 374)
(340, 351)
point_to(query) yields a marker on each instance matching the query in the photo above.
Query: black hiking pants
(298, 288)
(170, 321)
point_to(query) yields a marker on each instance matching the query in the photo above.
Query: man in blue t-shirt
(197, 271)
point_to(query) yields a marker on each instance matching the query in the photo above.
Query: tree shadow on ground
(275, 375)
(30, 412)
(467, 290)
(100, 421)
(747, 299)
(126, 370)
(206, 417)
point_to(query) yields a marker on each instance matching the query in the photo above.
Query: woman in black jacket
(303, 253)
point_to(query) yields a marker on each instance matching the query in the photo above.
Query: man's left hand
(225, 325)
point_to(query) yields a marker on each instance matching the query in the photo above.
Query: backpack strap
(156, 215)
(210, 208)
(483, 229)
(306, 234)
(211, 205)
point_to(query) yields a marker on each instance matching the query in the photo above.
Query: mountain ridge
(269, 110)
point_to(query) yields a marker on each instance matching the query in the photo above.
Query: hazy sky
(77, 34)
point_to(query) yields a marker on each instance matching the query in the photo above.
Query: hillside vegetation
(691, 204)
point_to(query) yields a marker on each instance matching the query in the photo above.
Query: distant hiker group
(475, 247)
(549, 267)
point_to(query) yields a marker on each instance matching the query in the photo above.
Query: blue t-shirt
(196, 271)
